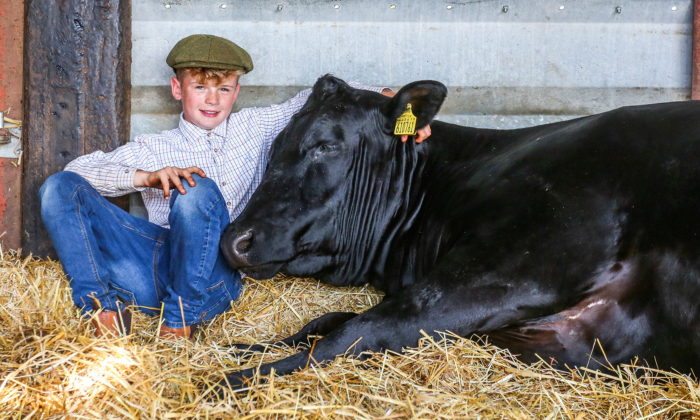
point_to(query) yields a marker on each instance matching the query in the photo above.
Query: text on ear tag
(406, 123)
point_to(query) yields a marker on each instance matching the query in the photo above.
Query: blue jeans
(110, 255)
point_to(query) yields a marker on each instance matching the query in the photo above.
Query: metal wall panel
(540, 61)
(507, 63)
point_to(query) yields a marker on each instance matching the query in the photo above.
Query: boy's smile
(208, 104)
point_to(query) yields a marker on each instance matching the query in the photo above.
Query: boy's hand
(167, 178)
(421, 134)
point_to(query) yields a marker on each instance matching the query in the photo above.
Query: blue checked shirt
(234, 155)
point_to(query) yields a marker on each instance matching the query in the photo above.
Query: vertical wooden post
(695, 73)
(77, 90)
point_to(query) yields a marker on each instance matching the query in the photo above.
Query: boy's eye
(200, 87)
(224, 89)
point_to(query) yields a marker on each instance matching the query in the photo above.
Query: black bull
(544, 238)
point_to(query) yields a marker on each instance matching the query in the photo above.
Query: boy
(212, 163)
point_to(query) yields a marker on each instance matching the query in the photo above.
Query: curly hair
(204, 75)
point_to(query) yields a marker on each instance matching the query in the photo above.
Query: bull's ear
(425, 97)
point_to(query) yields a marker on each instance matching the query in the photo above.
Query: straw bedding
(51, 367)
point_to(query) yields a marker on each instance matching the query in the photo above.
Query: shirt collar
(194, 133)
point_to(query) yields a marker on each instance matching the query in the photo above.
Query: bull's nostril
(241, 245)
(236, 252)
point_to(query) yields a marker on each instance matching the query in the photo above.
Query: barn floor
(51, 367)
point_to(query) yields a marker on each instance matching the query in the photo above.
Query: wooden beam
(695, 73)
(11, 25)
(77, 88)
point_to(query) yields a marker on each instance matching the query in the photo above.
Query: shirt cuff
(381, 89)
(125, 179)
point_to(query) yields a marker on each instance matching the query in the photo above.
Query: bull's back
(644, 158)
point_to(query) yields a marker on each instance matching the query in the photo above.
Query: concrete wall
(540, 61)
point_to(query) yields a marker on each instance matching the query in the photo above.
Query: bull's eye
(326, 147)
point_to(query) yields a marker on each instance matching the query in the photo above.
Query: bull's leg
(319, 326)
(442, 304)
(596, 335)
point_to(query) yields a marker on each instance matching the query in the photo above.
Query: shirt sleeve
(112, 174)
(358, 85)
(273, 119)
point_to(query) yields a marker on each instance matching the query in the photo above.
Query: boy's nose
(212, 99)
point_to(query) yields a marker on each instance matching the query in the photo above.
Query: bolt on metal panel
(630, 11)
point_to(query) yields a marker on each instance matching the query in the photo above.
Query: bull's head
(337, 187)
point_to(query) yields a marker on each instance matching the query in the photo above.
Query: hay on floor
(52, 367)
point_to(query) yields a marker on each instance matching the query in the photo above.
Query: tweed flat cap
(209, 51)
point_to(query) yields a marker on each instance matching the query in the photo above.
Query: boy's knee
(59, 185)
(204, 189)
(201, 185)
(196, 199)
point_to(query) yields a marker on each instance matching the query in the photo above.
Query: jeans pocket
(125, 296)
(219, 301)
(209, 289)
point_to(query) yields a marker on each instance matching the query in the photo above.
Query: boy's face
(205, 105)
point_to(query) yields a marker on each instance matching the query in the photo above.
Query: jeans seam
(159, 244)
(93, 264)
(206, 241)
(228, 293)
(205, 249)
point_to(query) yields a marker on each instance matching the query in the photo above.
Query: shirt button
(208, 134)
(228, 203)
(126, 171)
(216, 150)
(223, 184)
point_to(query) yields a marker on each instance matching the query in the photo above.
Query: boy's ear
(425, 97)
(176, 88)
(235, 94)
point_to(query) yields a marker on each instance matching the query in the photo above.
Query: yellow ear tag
(406, 123)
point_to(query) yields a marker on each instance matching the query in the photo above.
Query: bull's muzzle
(236, 250)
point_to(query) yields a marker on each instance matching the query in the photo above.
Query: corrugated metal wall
(535, 61)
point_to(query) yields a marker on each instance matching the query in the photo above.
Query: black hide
(543, 238)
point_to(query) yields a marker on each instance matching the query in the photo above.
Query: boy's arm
(112, 174)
